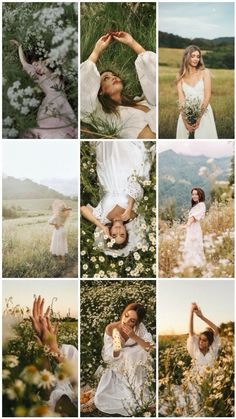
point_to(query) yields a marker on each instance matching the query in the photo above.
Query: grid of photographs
(118, 214)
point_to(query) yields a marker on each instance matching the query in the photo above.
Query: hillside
(13, 188)
(170, 40)
(178, 173)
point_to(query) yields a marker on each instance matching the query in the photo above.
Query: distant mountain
(170, 40)
(179, 173)
(13, 188)
(67, 187)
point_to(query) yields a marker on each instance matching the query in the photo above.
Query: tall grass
(138, 19)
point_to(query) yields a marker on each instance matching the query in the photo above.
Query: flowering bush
(213, 389)
(102, 302)
(94, 263)
(46, 31)
(29, 371)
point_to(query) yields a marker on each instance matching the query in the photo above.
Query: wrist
(136, 47)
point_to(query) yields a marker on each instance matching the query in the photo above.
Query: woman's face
(194, 59)
(39, 67)
(195, 196)
(130, 318)
(118, 232)
(110, 83)
(203, 343)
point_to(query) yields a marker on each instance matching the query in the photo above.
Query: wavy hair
(184, 68)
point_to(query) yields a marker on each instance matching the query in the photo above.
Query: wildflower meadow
(48, 31)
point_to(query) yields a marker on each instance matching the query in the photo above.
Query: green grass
(26, 242)
(222, 100)
(138, 19)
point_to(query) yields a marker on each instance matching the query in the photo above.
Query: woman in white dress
(63, 398)
(55, 118)
(193, 253)
(124, 387)
(59, 246)
(120, 165)
(103, 97)
(194, 81)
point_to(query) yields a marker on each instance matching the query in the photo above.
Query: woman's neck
(117, 97)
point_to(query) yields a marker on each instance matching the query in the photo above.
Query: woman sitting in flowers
(194, 90)
(125, 383)
(203, 350)
(103, 97)
(55, 117)
(62, 393)
(119, 165)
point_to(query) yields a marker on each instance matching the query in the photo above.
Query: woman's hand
(128, 331)
(198, 312)
(46, 333)
(106, 231)
(100, 46)
(126, 214)
(15, 42)
(126, 39)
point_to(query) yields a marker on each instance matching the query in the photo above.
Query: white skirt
(59, 245)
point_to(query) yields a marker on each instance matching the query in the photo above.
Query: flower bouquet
(191, 110)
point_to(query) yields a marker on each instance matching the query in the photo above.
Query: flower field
(214, 388)
(47, 31)
(102, 302)
(29, 372)
(94, 263)
(218, 236)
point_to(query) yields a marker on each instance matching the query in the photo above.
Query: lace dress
(59, 246)
(130, 121)
(113, 395)
(207, 127)
(193, 254)
(55, 117)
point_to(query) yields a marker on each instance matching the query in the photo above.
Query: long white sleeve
(146, 69)
(89, 88)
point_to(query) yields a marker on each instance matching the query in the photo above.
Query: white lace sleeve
(89, 88)
(134, 190)
(146, 69)
(144, 334)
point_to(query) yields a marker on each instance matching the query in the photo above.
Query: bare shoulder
(110, 327)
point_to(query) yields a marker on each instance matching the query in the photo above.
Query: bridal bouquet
(192, 109)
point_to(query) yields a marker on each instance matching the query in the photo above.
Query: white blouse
(200, 359)
(130, 121)
(198, 211)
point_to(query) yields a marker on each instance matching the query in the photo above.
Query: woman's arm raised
(194, 307)
(100, 46)
(215, 328)
(126, 39)
(87, 213)
(26, 66)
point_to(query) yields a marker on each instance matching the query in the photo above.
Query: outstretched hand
(46, 334)
(103, 43)
(123, 37)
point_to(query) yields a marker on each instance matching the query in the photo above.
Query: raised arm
(87, 213)
(194, 307)
(126, 39)
(215, 328)
(26, 66)
(100, 46)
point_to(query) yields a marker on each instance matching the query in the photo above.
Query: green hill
(13, 188)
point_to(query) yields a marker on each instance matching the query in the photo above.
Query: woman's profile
(194, 92)
(120, 167)
(55, 117)
(103, 96)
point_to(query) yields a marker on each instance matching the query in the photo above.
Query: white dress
(118, 165)
(193, 254)
(113, 395)
(70, 354)
(59, 246)
(207, 127)
(130, 121)
(188, 398)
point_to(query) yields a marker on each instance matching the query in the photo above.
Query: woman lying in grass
(104, 101)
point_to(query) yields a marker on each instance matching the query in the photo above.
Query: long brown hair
(111, 106)
(201, 195)
(139, 308)
(184, 68)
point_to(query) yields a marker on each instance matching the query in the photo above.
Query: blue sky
(201, 20)
(215, 298)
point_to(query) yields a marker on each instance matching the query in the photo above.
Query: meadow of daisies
(102, 302)
(94, 263)
(214, 388)
(48, 31)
